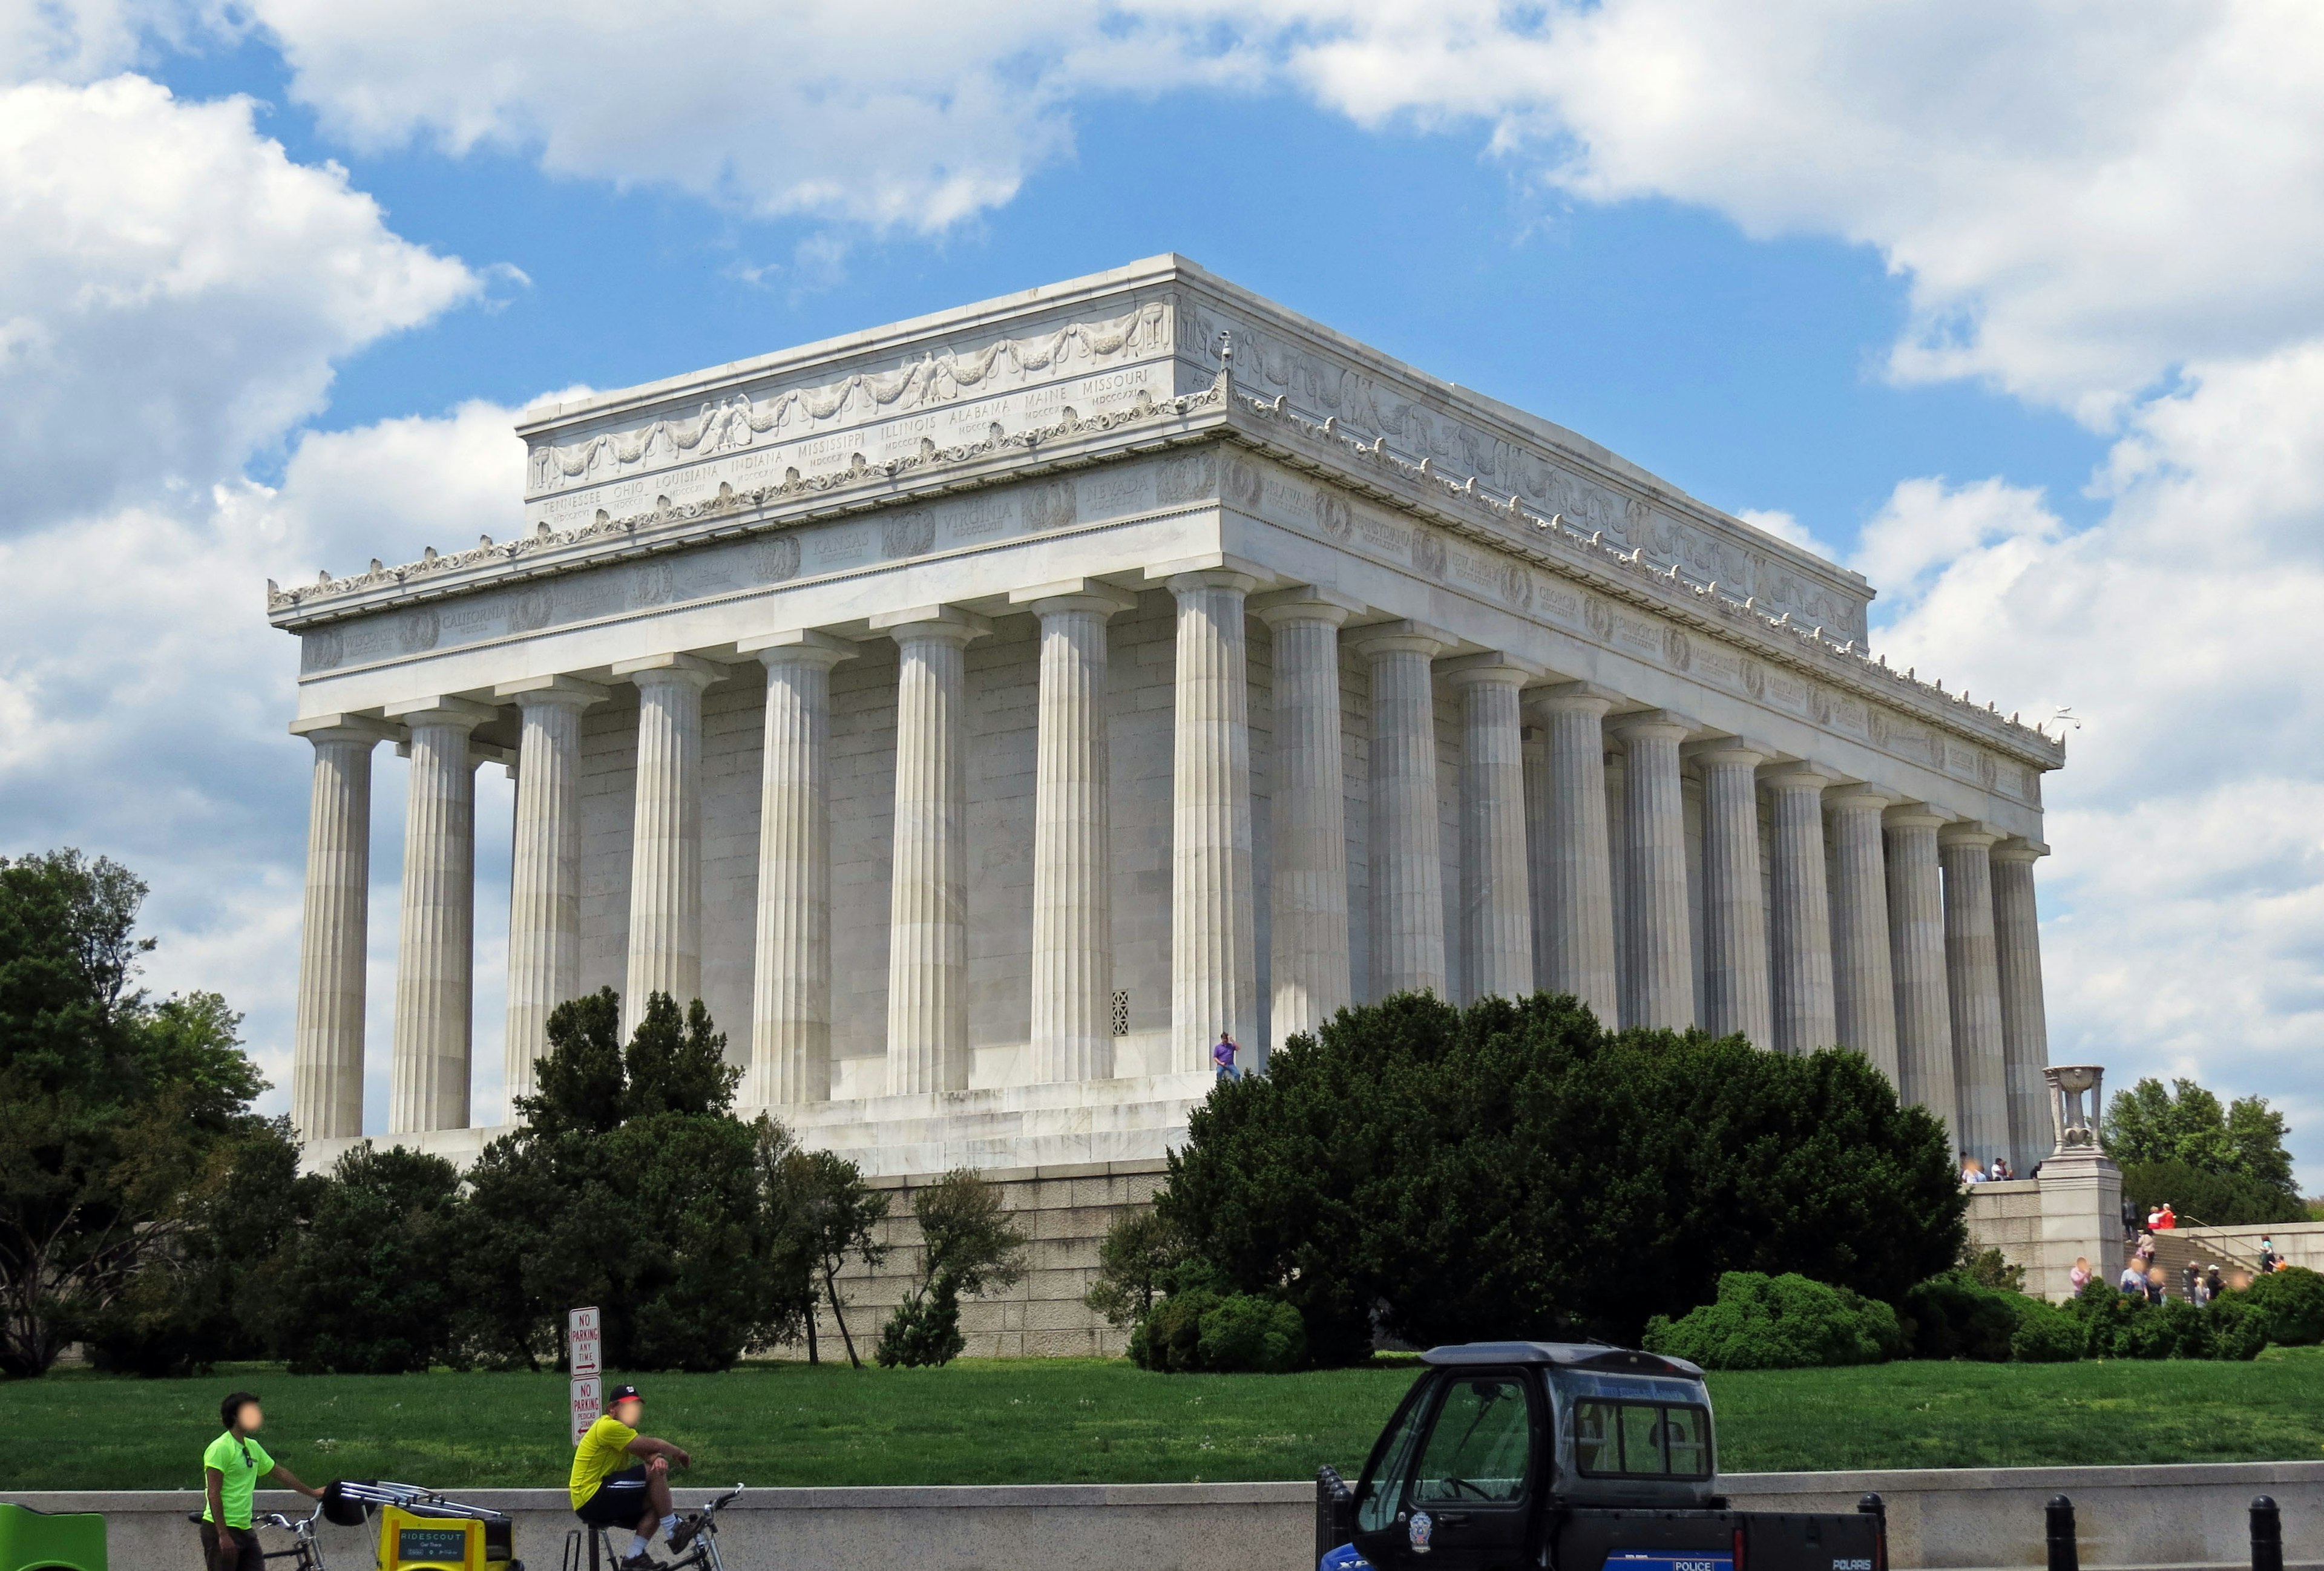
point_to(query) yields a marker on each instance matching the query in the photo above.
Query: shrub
(1249, 1334)
(925, 1329)
(1170, 1338)
(364, 1289)
(1952, 1317)
(2173, 1328)
(2233, 1329)
(1784, 1322)
(1445, 1175)
(2290, 1303)
(2045, 1333)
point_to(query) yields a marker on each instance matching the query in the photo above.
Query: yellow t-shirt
(604, 1449)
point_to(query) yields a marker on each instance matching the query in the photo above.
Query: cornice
(1500, 518)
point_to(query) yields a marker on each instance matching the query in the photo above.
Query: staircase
(2174, 1251)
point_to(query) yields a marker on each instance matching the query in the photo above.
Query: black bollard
(1872, 1505)
(2064, 1554)
(2266, 1535)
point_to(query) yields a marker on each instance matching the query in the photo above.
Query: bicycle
(304, 1552)
(411, 1508)
(701, 1553)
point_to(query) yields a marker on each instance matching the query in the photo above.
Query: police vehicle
(1565, 1456)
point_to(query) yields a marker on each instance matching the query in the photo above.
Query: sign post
(581, 1348)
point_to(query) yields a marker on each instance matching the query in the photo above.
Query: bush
(2232, 1329)
(2173, 1328)
(2290, 1304)
(1197, 1329)
(1249, 1334)
(1952, 1317)
(1446, 1176)
(2045, 1333)
(365, 1288)
(924, 1330)
(1785, 1322)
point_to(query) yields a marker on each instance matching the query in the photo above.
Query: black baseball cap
(622, 1394)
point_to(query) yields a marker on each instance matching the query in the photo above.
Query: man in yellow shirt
(611, 1491)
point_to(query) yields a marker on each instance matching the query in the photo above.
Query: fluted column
(1863, 984)
(1072, 834)
(1307, 966)
(1736, 996)
(1408, 870)
(1214, 953)
(1495, 891)
(327, 1064)
(666, 835)
(544, 953)
(927, 914)
(1916, 954)
(1973, 986)
(1658, 990)
(434, 962)
(790, 973)
(2024, 1024)
(1806, 1011)
(1533, 750)
(1577, 859)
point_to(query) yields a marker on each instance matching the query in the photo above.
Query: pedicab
(39, 1540)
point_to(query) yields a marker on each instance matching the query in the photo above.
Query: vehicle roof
(1593, 1356)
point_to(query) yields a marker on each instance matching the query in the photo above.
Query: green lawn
(1060, 1420)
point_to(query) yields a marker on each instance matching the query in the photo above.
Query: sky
(2017, 309)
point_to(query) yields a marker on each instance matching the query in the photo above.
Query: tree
(365, 1286)
(1134, 1261)
(968, 1244)
(836, 1214)
(1516, 1170)
(114, 1109)
(631, 1186)
(2147, 1125)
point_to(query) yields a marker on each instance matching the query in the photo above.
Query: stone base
(1136, 1119)
(2073, 1211)
(1065, 1210)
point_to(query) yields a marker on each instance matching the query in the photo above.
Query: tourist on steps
(1222, 1054)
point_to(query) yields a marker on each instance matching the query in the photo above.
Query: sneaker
(683, 1534)
(641, 1562)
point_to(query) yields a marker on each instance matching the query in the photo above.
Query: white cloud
(174, 291)
(1784, 526)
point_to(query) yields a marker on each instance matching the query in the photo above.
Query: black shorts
(251, 1557)
(620, 1500)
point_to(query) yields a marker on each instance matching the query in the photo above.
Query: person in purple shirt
(1222, 1054)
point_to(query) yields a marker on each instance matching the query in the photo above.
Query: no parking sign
(581, 1349)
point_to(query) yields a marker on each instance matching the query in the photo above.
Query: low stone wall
(2164, 1519)
(2073, 1211)
(1065, 1210)
(2300, 1242)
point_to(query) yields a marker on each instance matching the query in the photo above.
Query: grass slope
(1062, 1421)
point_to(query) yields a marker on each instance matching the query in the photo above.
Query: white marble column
(327, 1063)
(1496, 887)
(927, 914)
(1806, 1011)
(1533, 750)
(1072, 834)
(544, 953)
(1214, 952)
(1577, 859)
(436, 958)
(666, 835)
(1863, 985)
(1658, 990)
(1973, 985)
(2024, 1024)
(1408, 870)
(1307, 965)
(790, 973)
(1916, 957)
(1735, 998)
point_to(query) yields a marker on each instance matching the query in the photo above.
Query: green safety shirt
(243, 1461)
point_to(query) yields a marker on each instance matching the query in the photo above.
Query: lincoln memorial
(981, 713)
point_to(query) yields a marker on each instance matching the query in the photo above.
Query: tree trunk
(831, 1287)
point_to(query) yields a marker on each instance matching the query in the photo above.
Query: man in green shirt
(230, 1471)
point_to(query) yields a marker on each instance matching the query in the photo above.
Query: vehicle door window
(1481, 1445)
(1642, 1440)
(1378, 1492)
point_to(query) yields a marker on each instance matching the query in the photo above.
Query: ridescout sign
(582, 1341)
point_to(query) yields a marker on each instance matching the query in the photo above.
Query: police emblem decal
(1418, 1530)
